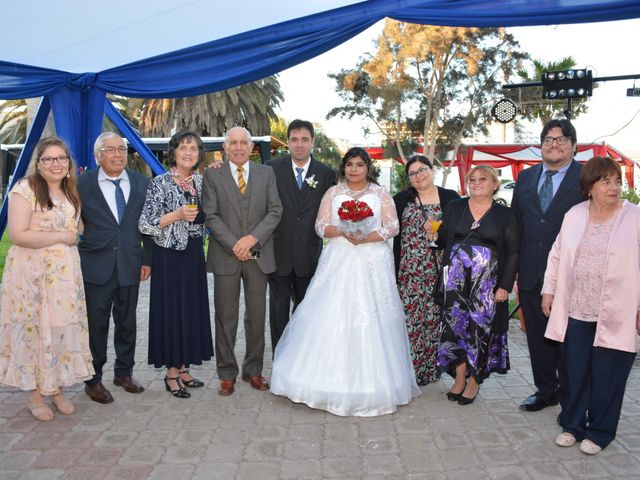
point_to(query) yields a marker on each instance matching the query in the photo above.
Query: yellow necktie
(242, 185)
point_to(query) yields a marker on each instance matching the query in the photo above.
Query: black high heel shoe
(454, 397)
(180, 392)
(466, 400)
(193, 383)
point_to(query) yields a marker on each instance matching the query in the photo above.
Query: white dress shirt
(109, 189)
(305, 169)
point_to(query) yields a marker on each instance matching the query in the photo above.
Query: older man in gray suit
(243, 209)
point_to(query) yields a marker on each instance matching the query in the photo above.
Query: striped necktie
(121, 203)
(242, 185)
(299, 176)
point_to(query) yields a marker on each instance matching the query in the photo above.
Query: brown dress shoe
(98, 393)
(129, 384)
(226, 387)
(257, 381)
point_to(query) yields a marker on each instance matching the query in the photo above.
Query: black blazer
(106, 244)
(539, 230)
(508, 240)
(401, 200)
(297, 246)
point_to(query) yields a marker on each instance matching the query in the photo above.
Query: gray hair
(247, 133)
(100, 141)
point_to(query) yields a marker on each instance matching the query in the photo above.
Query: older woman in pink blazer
(591, 295)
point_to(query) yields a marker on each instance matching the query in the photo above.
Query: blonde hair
(488, 169)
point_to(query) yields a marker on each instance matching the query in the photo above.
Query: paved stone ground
(255, 435)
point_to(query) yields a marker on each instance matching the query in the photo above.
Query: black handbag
(440, 290)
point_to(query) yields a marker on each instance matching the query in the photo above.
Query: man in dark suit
(302, 181)
(111, 252)
(242, 208)
(542, 195)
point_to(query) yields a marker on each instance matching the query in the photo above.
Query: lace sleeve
(390, 226)
(324, 212)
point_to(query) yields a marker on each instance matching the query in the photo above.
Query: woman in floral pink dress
(44, 340)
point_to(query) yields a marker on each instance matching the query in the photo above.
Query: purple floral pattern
(417, 275)
(469, 313)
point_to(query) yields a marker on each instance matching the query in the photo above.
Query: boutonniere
(311, 181)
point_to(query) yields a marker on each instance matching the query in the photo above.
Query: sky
(607, 48)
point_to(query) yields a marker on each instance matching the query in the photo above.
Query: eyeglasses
(420, 171)
(114, 149)
(548, 141)
(62, 160)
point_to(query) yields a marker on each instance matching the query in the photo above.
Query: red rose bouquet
(356, 218)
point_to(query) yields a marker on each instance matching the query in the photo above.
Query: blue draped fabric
(134, 139)
(78, 98)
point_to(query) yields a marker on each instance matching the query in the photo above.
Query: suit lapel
(570, 179)
(230, 187)
(134, 190)
(255, 179)
(292, 184)
(306, 188)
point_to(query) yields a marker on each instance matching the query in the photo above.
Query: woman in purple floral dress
(481, 249)
(417, 264)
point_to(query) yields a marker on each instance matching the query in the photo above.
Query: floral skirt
(469, 314)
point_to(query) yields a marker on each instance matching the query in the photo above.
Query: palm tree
(250, 105)
(534, 107)
(13, 121)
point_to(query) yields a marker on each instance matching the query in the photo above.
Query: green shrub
(631, 195)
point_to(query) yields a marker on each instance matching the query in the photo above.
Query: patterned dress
(470, 306)
(44, 338)
(417, 275)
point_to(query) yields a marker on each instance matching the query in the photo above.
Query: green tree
(433, 82)
(324, 148)
(13, 122)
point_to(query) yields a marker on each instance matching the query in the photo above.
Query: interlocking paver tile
(256, 435)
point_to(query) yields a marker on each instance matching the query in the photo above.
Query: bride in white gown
(345, 349)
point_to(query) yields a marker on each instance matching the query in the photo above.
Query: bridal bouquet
(356, 218)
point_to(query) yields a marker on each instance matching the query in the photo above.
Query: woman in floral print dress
(44, 339)
(481, 239)
(418, 264)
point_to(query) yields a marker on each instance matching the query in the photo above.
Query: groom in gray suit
(243, 209)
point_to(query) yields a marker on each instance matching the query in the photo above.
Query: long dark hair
(354, 152)
(39, 185)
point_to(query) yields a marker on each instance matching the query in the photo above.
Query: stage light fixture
(505, 110)
(567, 84)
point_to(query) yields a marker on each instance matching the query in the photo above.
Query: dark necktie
(546, 191)
(299, 176)
(121, 203)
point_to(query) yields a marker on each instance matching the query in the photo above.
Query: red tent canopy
(519, 156)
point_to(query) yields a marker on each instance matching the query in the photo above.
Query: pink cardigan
(620, 298)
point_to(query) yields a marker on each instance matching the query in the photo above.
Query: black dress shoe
(536, 402)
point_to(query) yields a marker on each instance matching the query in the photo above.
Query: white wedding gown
(345, 349)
